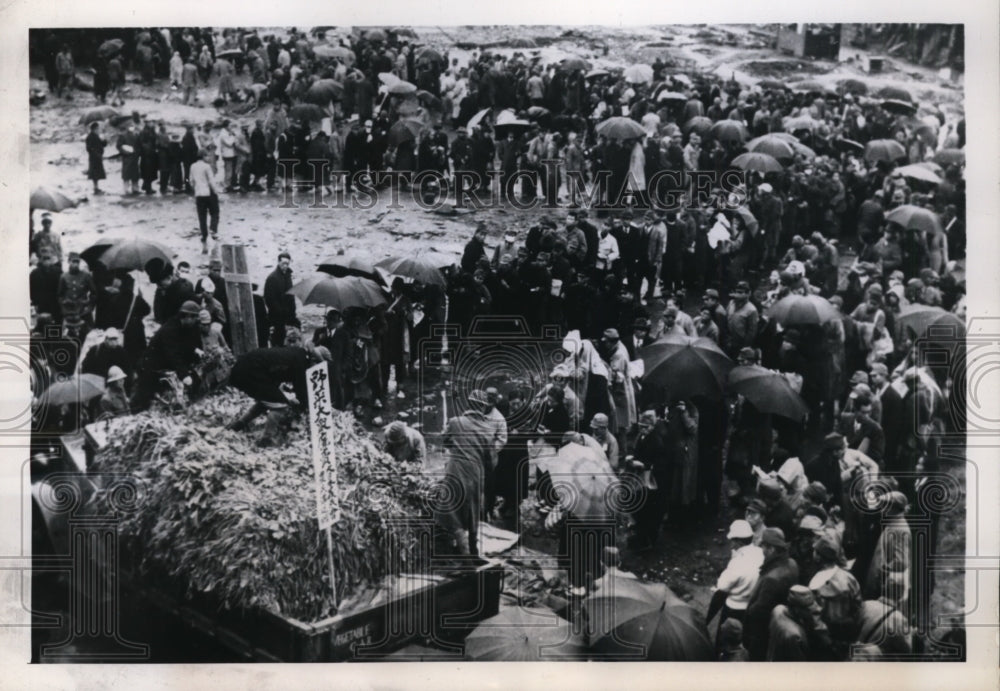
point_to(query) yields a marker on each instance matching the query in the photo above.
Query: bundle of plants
(220, 517)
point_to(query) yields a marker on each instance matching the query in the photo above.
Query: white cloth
(741, 576)
(201, 179)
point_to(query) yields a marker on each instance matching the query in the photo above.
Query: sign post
(321, 432)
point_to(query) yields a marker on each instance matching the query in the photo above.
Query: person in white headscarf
(588, 375)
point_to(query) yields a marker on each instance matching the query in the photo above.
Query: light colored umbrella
(914, 217)
(97, 114)
(802, 309)
(50, 200)
(884, 150)
(760, 162)
(476, 119)
(619, 127)
(76, 389)
(638, 74)
(401, 88)
(524, 634)
(950, 157)
(781, 145)
(920, 173)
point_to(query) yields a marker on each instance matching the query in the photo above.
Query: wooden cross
(239, 293)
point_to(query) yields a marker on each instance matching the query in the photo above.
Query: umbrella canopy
(884, 150)
(581, 479)
(309, 112)
(920, 173)
(405, 31)
(430, 55)
(802, 122)
(405, 130)
(231, 53)
(50, 200)
(931, 166)
(685, 366)
(802, 310)
(769, 391)
(97, 114)
(476, 119)
(375, 35)
(523, 43)
(915, 218)
(638, 74)
(950, 157)
(894, 93)
(420, 267)
(630, 619)
(327, 52)
(671, 96)
(323, 91)
(524, 634)
(930, 322)
(573, 64)
(620, 127)
(760, 162)
(781, 145)
(681, 79)
(353, 263)
(809, 86)
(538, 112)
(771, 84)
(699, 124)
(429, 100)
(852, 86)
(899, 107)
(596, 73)
(729, 131)
(76, 389)
(848, 145)
(92, 255)
(350, 291)
(401, 88)
(110, 48)
(133, 254)
(749, 220)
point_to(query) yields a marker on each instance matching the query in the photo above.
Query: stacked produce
(221, 516)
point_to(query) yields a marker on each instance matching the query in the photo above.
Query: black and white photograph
(389, 343)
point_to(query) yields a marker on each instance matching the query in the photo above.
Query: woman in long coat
(95, 157)
(622, 391)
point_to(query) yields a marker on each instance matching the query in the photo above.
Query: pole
(321, 428)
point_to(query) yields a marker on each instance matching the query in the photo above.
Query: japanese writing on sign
(321, 433)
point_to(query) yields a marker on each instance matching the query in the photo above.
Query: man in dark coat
(892, 410)
(475, 249)
(189, 154)
(106, 354)
(796, 632)
(355, 152)
(651, 454)
(174, 348)
(148, 159)
(43, 283)
(280, 305)
(95, 156)
(778, 574)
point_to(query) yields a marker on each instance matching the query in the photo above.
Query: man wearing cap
(837, 591)
(796, 631)
(778, 573)
(175, 347)
(742, 319)
(710, 301)
(47, 241)
(475, 249)
(651, 463)
(768, 209)
(405, 444)
(506, 249)
(77, 292)
(737, 581)
(107, 354)
(114, 400)
(622, 391)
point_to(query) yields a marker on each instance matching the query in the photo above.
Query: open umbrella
(638, 74)
(914, 217)
(401, 88)
(809, 86)
(133, 254)
(771, 84)
(920, 173)
(894, 93)
(50, 200)
(323, 91)
(628, 619)
(931, 166)
(729, 131)
(581, 479)
(749, 220)
(375, 35)
(349, 291)
(92, 255)
(538, 112)
(760, 162)
(76, 389)
(110, 48)
(429, 100)
(327, 52)
(685, 366)
(430, 55)
(930, 322)
(353, 263)
(884, 150)
(596, 73)
(802, 310)
(423, 267)
(781, 146)
(507, 120)
(852, 86)
(672, 96)
(899, 107)
(681, 79)
(405, 130)
(476, 119)
(524, 634)
(802, 122)
(950, 157)
(699, 124)
(523, 43)
(231, 53)
(309, 112)
(768, 391)
(97, 114)
(620, 127)
(848, 145)
(573, 64)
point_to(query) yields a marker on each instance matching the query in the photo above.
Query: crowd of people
(813, 576)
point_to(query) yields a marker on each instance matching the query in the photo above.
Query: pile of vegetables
(218, 516)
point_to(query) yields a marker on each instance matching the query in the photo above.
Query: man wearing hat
(114, 400)
(507, 249)
(768, 209)
(605, 440)
(779, 513)
(730, 642)
(622, 390)
(77, 293)
(837, 591)
(175, 347)
(778, 573)
(405, 444)
(742, 319)
(863, 432)
(43, 286)
(825, 467)
(107, 354)
(797, 632)
(475, 249)
(650, 463)
(47, 241)
(710, 301)
(737, 581)
(655, 234)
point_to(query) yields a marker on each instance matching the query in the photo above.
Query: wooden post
(239, 293)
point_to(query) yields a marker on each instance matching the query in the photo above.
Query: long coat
(777, 575)
(95, 157)
(622, 390)
(130, 159)
(683, 439)
(469, 439)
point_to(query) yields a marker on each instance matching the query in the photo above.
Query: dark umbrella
(894, 93)
(429, 100)
(425, 268)
(899, 107)
(620, 127)
(323, 91)
(350, 291)
(930, 323)
(309, 112)
(97, 114)
(950, 157)
(523, 43)
(405, 130)
(848, 145)
(92, 255)
(852, 86)
(729, 131)
(914, 217)
(699, 124)
(573, 64)
(430, 55)
(110, 48)
(50, 200)
(630, 619)
(353, 263)
(231, 53)
(760, 162)
(802, 309)
(768, 391)
(401, 88)
(685, 366)
(524, 634)
(76, 389)
(375, 35)
(884, 150)
(133, 254)
(772, 84)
